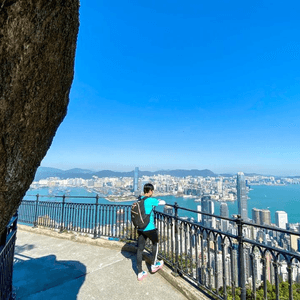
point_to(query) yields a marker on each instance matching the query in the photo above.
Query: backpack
(139, 217)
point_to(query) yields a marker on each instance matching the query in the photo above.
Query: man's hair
(148, 187)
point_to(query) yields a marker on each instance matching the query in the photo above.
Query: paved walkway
(52, 268)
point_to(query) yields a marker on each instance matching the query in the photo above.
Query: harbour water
(286, 198)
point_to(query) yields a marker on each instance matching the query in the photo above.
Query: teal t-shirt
(150, 203)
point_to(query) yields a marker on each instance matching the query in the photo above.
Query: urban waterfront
(273, 198)
(207, 252)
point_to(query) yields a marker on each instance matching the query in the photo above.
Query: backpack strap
(145, 197)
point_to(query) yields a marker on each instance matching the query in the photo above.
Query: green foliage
(185, 262)
(271, 292)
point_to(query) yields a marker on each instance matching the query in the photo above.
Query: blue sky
(184, 84)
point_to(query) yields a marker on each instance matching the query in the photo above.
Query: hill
(45, 172)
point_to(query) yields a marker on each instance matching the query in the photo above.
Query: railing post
(290, 280)
(264, 263)
(241, 264)
(7, 248)
(96, 216)
(62, 214)
(275, 265)
(36, 210)
(224, 269)
(175, 271)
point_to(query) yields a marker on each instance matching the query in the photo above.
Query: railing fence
(7, 248)
(226, 263)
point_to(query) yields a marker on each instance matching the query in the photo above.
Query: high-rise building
(281, 219)
(261, 216)
(265, 217)
(212, 211)
(224, 210)
(220, 186)
(199, 216)
(224, 213)
(242, 197)
(205, 208)
(256, 216)
(136, 179)
(208, 206)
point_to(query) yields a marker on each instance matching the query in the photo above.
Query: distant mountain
(77, 170)
(44, 172)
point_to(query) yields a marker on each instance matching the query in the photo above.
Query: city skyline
(201, 86)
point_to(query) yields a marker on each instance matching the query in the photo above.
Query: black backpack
(139, 217)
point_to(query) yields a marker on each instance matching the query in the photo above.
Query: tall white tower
(242, 197)
(281, 219)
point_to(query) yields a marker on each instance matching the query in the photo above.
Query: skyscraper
(242, 197)
(261, 216)
(224, 213)
(199, 216)
(256, 216)
(281, 219)
(136, 179)
(265, 217)
(220, 186)
(207, 206)
(224, 210)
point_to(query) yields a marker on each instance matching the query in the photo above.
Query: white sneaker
(142, 275)
(157, 266)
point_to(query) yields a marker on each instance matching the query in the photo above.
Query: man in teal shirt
(149, 232)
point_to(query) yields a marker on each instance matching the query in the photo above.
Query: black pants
(143, 235)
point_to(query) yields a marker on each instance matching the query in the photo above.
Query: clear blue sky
(184, 84)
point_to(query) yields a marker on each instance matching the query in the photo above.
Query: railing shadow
(46, 277)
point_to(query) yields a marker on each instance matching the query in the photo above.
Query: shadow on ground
(131, 256)
(129, 252)
(46, 277)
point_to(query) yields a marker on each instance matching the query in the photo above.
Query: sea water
(286, 198)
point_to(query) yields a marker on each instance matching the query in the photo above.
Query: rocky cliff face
(37, 50)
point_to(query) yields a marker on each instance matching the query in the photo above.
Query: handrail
(224, 263)
(7, 247)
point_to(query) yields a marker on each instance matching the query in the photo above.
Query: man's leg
(153, 236)
(140, 249)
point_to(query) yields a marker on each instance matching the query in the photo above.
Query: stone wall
(37, 50)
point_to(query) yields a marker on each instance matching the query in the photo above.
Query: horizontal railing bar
(66, 196)
(272, 228)
(202, 213)
(252, 242)
(234, 220)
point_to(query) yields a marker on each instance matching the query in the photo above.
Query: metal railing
(107, 220)
(7, 248)
(228, 258)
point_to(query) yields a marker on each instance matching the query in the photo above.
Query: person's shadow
(46, 277)
(129, 252)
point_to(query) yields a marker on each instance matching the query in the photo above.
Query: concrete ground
(55, 268)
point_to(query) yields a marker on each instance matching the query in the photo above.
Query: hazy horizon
(146, 170)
